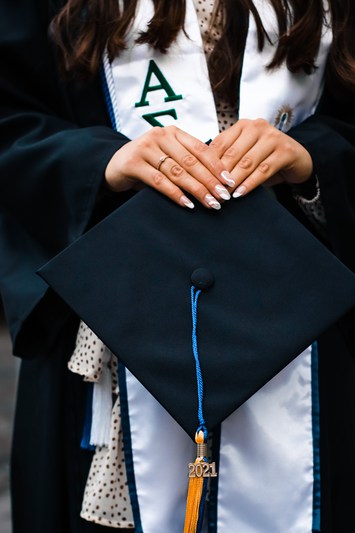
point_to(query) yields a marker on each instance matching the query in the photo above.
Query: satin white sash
(265, 482)
(266, 457)
(280, 97)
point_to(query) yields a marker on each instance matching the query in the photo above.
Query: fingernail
(184, 200)
(222, 192)
(212, 202)
(225, 175)
(239, 192)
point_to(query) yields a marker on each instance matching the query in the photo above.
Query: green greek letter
(151, 117)
(163, 85)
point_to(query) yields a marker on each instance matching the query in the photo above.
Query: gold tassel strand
(197, 478)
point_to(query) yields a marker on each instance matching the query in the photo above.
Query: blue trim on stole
(108, 99)
(86, 436)
(127, 448)
(213, 495)
(316, 441)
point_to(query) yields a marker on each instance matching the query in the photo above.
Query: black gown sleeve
(329, 137)
(55, 143)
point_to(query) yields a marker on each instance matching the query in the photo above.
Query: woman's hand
(256, 153)
(174, 163)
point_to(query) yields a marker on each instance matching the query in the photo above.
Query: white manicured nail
(184, 200)
(239, 192)
(225, 175)
(222, 192)
(212, 202)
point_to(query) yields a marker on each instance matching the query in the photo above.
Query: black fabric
(337, 412)
(329, 136)
(55, 142)
(265, 301)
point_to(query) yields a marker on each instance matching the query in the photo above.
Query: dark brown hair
(83, 28)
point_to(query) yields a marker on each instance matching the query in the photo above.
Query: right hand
(189, 168)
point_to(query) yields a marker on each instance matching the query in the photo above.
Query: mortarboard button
(202, 278)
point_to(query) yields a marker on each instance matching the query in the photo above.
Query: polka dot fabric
(211, 30)
(106, 498)
(88, 355)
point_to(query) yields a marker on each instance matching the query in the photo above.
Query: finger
(176, 174)
(267, 170)
(225, 139)
(207, 157)
(149, 175)
(252, 159)
(238, 151)
(187, 172)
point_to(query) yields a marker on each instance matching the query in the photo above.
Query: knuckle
(158, 178)
(264, 168)
(213, 165)
(189, 160)
(199, 146)
(129, 163)
(244, 122)
(130, 160)
(288, 150)
(245, 163)
(252, 182)
(217, 143)
(274, 133)
(210, 183)
(261, 123)
(144, 143)
(176, 170)
(290, 146)
(231, 153)
(170, 129)
(156, 132)
(197, 189)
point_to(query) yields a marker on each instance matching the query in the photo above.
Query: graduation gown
(55, 142)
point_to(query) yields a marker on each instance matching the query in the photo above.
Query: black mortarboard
(270, 289)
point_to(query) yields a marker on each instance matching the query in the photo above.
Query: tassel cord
(200, 389)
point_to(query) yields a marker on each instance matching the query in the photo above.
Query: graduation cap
(263, 289)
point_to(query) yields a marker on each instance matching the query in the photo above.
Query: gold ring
(161, 160)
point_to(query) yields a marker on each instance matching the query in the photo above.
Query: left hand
(256, 153)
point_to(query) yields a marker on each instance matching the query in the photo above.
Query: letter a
(163, 85)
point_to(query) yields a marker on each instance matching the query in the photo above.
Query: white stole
(280, 97)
